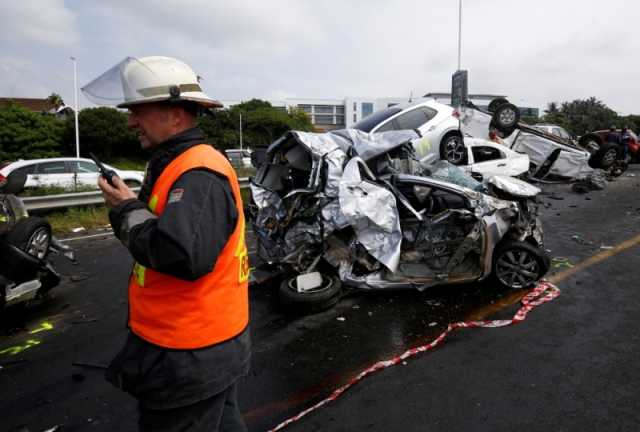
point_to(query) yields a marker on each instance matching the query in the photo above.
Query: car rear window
(375, 119)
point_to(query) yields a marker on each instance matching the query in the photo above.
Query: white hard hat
(148, 79)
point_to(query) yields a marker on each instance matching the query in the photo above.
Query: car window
(386, 127)
(485, 153)
(564, 134)
(83, 167)
(29, 169)
(414, 118)
(51, 168)
(375, 119)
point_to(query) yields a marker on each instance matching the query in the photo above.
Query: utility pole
(240, 130)
(459, 32)
(75, 94)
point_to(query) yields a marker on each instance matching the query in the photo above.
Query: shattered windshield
(445, 171)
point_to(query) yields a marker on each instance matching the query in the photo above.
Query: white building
(329, 114)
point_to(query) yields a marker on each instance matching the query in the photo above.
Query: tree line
(28, 135)
(103, 131)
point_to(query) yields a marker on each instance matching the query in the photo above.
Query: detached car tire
(316, 300)
(605, 157)
(506, 117)
(518, 264)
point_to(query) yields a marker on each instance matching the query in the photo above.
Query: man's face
(152, 122)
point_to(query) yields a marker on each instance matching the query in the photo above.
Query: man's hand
(115, 195)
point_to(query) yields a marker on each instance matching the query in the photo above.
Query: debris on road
(559, 262)
(581, 240)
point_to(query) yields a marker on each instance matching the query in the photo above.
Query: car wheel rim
(454, 150)
(38, 243)
(517, 268)
(507, 117)
(327, 283)
(609, 157)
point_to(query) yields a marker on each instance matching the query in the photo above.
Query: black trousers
(218, 413)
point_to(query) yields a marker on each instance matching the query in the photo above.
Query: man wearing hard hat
(188, 340)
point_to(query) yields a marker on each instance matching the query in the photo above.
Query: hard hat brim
(203, 102)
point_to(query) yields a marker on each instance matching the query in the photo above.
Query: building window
(324, 109)
(324, 119)
(340, 120)
(339, 110)
(367, 109)
(355, 118)
(305, 108)
(355, 107)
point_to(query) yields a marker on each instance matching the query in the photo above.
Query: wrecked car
(549, 155)
(25, 244)
(348, 208)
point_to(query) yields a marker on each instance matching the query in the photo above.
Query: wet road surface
(569, 366)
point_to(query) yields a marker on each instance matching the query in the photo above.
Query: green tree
(28, 135)
(104, 132)
(581, 115)
(56, 100)
(261, 124)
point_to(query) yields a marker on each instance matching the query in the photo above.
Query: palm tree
(55, 100)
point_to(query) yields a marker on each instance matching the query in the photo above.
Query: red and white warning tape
(542, 293)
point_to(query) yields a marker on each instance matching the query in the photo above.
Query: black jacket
(184, 242)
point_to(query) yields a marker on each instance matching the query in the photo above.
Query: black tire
(528, 264)
(506, 118)
(312, 301)
(605, 157)
(452, 149)
(495, 103)
(31, 235)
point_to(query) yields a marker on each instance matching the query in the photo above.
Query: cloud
(48, 23)
(556, 51)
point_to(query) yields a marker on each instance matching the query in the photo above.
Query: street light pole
(241, 130)
(75, 94)
(459, 32)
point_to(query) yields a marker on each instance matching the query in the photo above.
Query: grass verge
(63, 222)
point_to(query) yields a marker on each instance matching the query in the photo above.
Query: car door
(54, 174)
(488, 160)
(85, 173)
(447, 240)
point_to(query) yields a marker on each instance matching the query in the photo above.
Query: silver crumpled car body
(357, 209)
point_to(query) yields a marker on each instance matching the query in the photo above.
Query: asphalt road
(570, 366)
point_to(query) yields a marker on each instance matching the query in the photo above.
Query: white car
(239, 158)
(489, 158)
(435, 122)
(65, 172)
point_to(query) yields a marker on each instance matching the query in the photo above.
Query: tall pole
(75, 94)
(459, 32)
(241, 130)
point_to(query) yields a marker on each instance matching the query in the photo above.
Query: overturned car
(347, 208)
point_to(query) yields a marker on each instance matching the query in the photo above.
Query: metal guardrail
(77, 199)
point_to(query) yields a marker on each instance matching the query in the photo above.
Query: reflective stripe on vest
(180, 314)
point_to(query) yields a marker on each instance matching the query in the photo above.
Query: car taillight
(455, 114)
(2, 178)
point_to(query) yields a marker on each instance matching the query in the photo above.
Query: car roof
(395, 110)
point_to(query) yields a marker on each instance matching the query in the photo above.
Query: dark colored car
(595, 142)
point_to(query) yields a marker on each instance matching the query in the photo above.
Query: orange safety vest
(180, 314)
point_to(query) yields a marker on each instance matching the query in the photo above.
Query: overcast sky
(557, 50)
